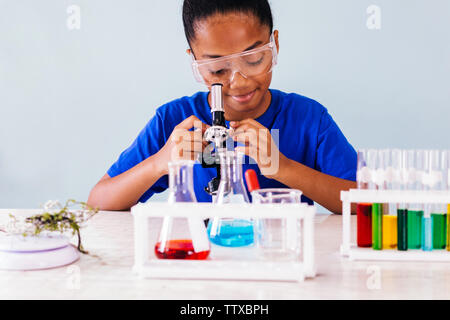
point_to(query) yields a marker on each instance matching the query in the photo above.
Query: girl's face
(224, 34)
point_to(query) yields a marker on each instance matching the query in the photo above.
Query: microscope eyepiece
(217, 110)
(216, 98)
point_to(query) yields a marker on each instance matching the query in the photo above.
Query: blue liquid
(232, 233)
(427, 234)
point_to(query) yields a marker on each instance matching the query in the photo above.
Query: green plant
(55, 218)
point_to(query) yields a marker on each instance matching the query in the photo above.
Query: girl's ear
(188, 51)
(275, 35)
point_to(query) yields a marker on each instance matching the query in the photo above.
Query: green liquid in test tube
(399, 165)
(377, 226)
(402, 229)
(414, 229)
(378, 178)
(439, 230)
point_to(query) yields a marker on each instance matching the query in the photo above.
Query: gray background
(72, 100)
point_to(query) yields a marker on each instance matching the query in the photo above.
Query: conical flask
(231, 232)
(182, 238)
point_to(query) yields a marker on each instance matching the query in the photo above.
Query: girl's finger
(188, 123)
(250, 151)
(201, 126)
(246, 139)
(191, 146)
(255, 137)
(192, 122)
(190, 136)
(253, 122)
(251, 128)
(186, 156)
(244, 128)
(261, 140)
(241, 149)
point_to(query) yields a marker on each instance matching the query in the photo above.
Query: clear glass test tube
(436, 182)
(363, 210)
(423, 163)
(415, 210)
(377, 183)
(388, 159)
(446, 170)
(400, 161)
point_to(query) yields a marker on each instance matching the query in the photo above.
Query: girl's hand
(259, 145)
(182, 143)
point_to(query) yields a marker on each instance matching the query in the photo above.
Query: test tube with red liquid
(363, 210)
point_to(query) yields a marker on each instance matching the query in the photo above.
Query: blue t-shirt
(307, 134)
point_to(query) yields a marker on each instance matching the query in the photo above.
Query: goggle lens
(249, 64)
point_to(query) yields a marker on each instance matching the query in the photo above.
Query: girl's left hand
(259, 145)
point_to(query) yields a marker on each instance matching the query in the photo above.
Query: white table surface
(109, 236)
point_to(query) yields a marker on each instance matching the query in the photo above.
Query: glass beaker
(182, 238)
(277, 237)
(231, 232)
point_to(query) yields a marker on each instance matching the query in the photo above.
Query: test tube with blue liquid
(423, 162)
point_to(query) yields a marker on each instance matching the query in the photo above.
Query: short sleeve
(149, 141)
(335, 155)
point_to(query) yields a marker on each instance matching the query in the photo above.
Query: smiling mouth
(244, 98)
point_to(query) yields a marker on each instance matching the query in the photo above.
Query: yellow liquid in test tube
(389, 232)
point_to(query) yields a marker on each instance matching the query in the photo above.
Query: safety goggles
(249, 64)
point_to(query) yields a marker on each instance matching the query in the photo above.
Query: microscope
(217, 135)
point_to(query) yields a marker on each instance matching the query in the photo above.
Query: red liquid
(180, 249)
(364, 224)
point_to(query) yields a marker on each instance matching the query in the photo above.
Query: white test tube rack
(298, 268)
(353, 252)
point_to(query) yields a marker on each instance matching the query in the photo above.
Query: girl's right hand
(182, 143)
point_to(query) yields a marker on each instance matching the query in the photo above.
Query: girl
(233, 42)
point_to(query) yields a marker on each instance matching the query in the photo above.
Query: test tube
(389, 158)
(363, 210)
(448, 226)
(402, 211)
(446, 170)
(439, 224)
(423, 162)
(377, 175)
(435, 180)
(415, 210)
